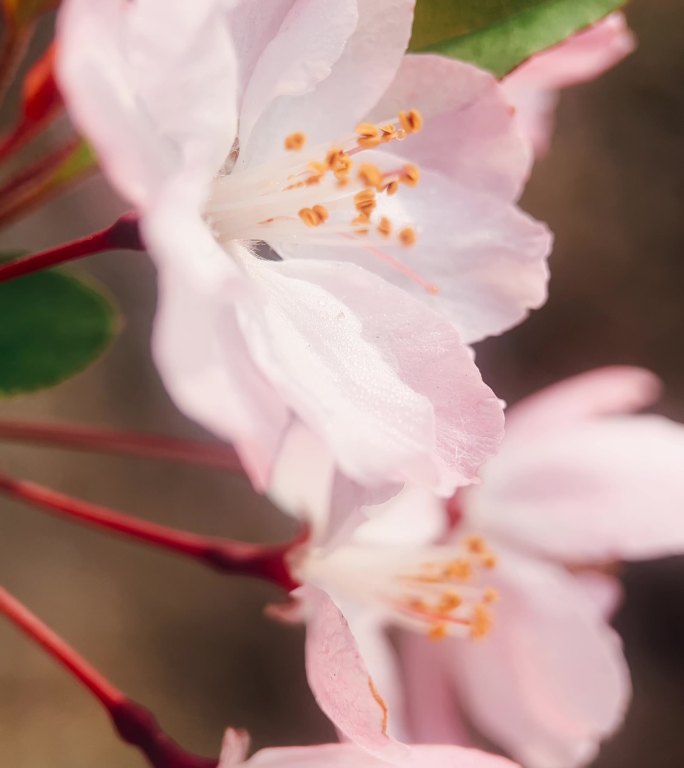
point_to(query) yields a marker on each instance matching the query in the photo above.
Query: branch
(234, 557)
(124, 233)
(135, 724)
(117, 442)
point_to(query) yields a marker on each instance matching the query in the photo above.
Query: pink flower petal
(549, 682)
(357, 78)
(600, 392)
(301, 53)
(350, 756)
(115, 57)
(602, 490)
(380, 660)
(582, 57)
(469, 131)
(371, 353)
(478, 260)
(430, 694)
(235, 748)
(602, 591)
(199, 349)
(339, 679)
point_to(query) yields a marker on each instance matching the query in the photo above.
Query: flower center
(439, 591)
(327, 195)
(447, 596)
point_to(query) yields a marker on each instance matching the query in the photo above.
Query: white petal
(549, 682)
(469, 132)
(302, 53)
(478, 260)
(602, 490)
(349, 352)
(152, 85)
(357, 78)
(340, 680)
(197, 345)
(599, 392)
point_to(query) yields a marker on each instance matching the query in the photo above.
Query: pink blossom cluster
(334, 222)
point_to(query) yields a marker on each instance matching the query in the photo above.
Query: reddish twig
(116, 442)
(124, 233)
(135, 724)
(225, 555)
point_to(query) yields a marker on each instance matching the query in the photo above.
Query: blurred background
(195, 646)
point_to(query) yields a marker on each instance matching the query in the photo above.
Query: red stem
(225, 555)
(115, 442)
(135, 724)
(124, 233)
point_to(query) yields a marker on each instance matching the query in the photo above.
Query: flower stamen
(295, 141)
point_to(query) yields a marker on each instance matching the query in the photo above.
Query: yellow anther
(388, 132)
(392, 188)
(367, 130)
(488, 560)
(490, 596)
(481, 621)
(295, 141)
(411, 121)
(385, 226)
(409, 175)
(371, 176)
(369, 142)
(449, 602)
(407, 236)
(365, 201)
(338, 160)
(437, 631)
(461, 570)
(322, 212)
(369, 135)
(312, 217)
(476, 544)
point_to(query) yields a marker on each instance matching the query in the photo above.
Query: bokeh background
(195, 646)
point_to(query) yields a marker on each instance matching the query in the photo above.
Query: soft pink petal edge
(340, 680)
(469, 131)
(550, 681)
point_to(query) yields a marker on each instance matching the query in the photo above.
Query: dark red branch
(135, 724)
(116, 442)
(124, 233)
(234, 557)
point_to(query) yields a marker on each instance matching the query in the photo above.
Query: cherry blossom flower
(579, 483)
(321, 260)
(533, 87)
(357, 576)
(236, 745)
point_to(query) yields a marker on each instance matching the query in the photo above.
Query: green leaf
(52, 325)
(498, 35)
